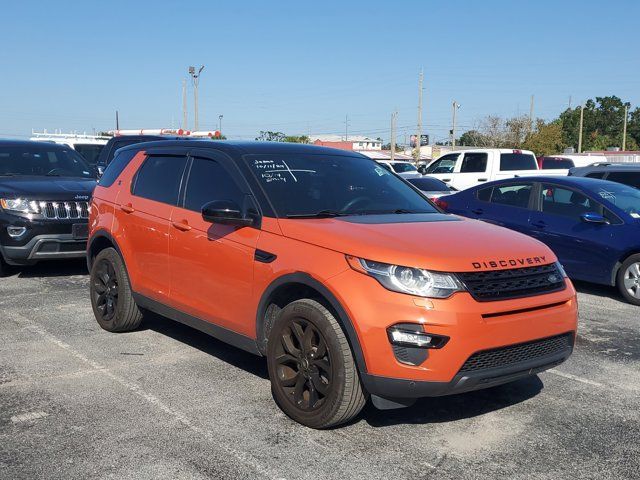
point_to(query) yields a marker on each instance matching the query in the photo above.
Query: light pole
(195, 77)
(455, 107)
(220, 125)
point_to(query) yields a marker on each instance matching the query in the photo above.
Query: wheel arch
(98, 242)
(294, 286)
(618, 264)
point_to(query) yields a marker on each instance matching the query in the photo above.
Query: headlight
(21, 205)
(414, 281)
(561, 268)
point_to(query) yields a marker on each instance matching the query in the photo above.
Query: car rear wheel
(628, 279)
(111, 296)
(314, 379)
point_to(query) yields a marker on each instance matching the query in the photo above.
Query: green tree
(296, 139)
(269, 136)
(546, 138)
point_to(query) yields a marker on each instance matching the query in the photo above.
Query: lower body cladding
(472, 345)
(29, 242)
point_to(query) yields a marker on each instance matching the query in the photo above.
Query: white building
(352, 142)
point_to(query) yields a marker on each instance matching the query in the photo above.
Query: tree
(472, 138)
(269, 136)
(296, 139)
(546, 138)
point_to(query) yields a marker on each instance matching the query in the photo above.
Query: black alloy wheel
(105, 290)
(304, 369)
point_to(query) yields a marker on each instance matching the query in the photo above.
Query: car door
(473, 169)
(212, 264)
(143, 216)
(508, 205)
(583, 248)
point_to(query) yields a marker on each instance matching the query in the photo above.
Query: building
(352, 142)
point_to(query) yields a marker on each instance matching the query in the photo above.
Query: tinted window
(209, 181)
(89, 151)
(512, 195)
(565, 202)
(553, 163)
(517, 161)
(429, 184)
(42, 160)
(159, 179)
(403, 167)
(474, 162)
(116, 167)
(303, 184)
(628, 178)
(485, 194)
(596, 175)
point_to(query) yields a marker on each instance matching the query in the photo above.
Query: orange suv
(349, 281)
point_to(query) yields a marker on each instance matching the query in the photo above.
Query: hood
(432, 241)
(47, 188)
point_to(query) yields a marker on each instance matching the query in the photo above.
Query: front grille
(518, 282)
(64, 210)
(505, 356)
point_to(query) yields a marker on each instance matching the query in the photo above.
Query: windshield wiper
(319, 214)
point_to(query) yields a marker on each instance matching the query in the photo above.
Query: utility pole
(220, 129)
(394, 115)
(569, 102)
(416, 154)
(117, 121)
(580, 133)
(531, 116)
(195, 77)
(346, 127)
(624, 130)
(184, 104)
(455, 106)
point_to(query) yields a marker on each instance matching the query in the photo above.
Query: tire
(628, 279)
(314, 379)
(111, 298)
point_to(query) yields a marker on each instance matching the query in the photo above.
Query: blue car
(592, 225)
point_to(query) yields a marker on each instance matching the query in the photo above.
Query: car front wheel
(628, 279)
(314, 379)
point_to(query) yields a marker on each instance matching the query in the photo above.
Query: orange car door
(143, 217)
(212, 264)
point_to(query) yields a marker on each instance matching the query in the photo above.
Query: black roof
(604, 166)
(30, 143)
(243, 148)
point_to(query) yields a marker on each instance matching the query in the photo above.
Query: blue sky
(300, 67)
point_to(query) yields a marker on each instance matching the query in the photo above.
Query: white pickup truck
(467, 168)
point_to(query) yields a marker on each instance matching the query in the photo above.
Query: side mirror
(226, 212)
(422, 169)
(592, 217)
(99, 169)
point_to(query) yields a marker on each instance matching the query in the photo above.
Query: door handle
(446, 179)
(128, 208)
(478, 211)
(182, 226)
(483, 179)
(539, 224)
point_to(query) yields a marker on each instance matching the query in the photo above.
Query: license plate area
(80, 231)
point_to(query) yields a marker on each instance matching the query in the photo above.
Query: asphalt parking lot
(166, 401)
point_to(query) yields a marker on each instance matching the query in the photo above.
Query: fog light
(412, 335)
(16, 232)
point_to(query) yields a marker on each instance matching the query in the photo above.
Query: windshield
(308, 185)
(404, 167)
(622, 196)
(42, 160)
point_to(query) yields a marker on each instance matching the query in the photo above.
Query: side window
(444, 164)
(115, 168)
(209, 181)
(512, 195)
(474, 162)
(628, 178)
(159, 178)
(596, 175)
(484, 195)
(567, 203)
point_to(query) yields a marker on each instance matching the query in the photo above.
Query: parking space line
(576, 378)
(151, 399)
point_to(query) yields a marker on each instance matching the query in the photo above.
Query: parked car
(626, 173)
(336, 270)
(119, 141)
(89, 146)
(44, 198)
(567, 161)
(404, 169)
(430, 186)
(592, 225)
(467, 168)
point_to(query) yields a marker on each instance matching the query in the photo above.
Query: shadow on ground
(51, 268)
(598, 290)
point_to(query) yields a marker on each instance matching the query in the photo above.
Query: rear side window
(628, 178)
(554, 163)
(209, 181)
(159, 178)
(116, 167)
(512, 195)
(484, 195)
(596, 175)
(474, 162)
(517, 161)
